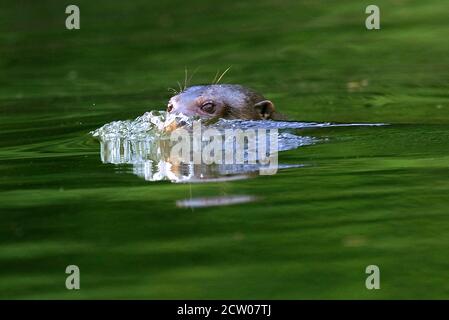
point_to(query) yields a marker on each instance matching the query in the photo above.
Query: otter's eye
(169, 108)
(208, 107)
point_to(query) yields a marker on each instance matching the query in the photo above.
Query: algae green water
(368, 195)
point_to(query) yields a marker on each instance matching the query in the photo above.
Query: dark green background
(367, 196)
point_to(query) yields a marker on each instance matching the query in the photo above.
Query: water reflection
(152, 160)
(145, 146)
(214, 201)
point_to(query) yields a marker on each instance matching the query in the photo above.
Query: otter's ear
(265, 108)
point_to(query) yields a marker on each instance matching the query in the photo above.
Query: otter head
(221, 101)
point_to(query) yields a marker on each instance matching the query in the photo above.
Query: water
(146, 144)
(357, 195)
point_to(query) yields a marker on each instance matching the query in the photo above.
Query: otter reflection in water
(195, 155)
(151, 161)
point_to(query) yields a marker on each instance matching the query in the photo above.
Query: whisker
(223, 74)
(173, 90)
(179, 85)
(215, 78)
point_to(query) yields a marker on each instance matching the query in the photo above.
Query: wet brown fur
(233, 102)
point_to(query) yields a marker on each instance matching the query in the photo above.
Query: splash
(144, 143)
(149, 126)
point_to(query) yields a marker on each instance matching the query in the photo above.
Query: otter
(228, 101)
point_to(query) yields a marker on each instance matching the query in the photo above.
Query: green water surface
(368, 195)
